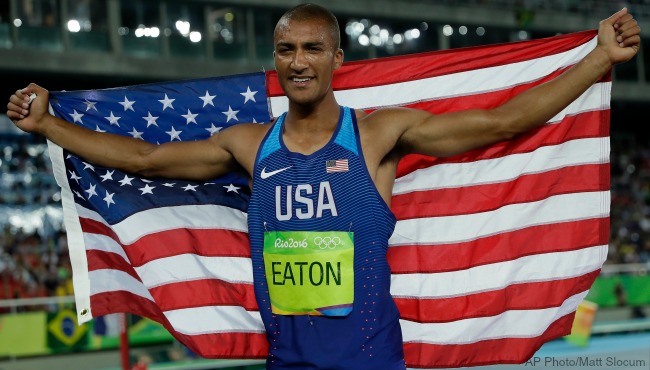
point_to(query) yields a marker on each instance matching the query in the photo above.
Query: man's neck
(307, 129)
(319, 117)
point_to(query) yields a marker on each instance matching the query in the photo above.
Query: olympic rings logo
(327, 242)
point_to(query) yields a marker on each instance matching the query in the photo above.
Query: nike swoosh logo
(266, 175)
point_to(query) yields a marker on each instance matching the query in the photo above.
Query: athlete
(321, 178)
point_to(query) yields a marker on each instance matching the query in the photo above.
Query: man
(321, 178)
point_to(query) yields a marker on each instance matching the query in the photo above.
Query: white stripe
(84, 212)
(155, 220)
(104, 243)
(215, 319)
(534, 268)
(451, 229)
(497, 170)
(597, 97)
(188, 267)
(510, 324)
(105, 281)
(74, 234)
(481, 80)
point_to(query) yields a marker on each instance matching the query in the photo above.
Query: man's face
(305, 60)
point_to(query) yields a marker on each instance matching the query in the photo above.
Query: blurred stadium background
(92, 44)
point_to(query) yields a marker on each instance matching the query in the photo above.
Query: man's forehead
(311, 30)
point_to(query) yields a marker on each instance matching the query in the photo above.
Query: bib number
(310, 272)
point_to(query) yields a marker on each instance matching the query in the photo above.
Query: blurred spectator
(630, 207)
(31, 266)
(26, 172)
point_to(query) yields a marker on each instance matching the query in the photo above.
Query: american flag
(493, 249)
(338, 165)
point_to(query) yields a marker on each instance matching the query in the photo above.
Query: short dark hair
(307, 12)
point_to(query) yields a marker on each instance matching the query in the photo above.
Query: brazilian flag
(64, 332)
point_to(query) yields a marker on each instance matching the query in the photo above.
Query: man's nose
(299, 61)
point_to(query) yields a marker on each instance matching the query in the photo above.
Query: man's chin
(302, 99)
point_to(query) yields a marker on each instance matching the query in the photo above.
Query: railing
(610, 327)
(641, 8)
(14, 304)
(631, 268)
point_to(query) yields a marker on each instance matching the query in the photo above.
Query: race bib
(310, 272)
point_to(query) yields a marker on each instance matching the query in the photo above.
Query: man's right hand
(28, 117)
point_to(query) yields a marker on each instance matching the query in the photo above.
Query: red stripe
(558, 237)
(229, 345)
(487, 352)
(441, 62)
(584, 125)
(215, 345)
(88, 225)
(202, 242)
(176, 242)
(123, 301)
(207, 292)
(483, 198)
(525, 296)
(100, 260)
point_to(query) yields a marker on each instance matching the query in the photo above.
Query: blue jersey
(327, 191)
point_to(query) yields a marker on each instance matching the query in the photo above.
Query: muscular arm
(196, 160)
(454, 133)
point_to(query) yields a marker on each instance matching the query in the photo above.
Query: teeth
(301, 79)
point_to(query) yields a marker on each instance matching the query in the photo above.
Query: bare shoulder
(245, 133)
(383, 129)
(244, 136)
(378, 134)
(242, 141)
(390, 119)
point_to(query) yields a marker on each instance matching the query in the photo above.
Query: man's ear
(338, 58)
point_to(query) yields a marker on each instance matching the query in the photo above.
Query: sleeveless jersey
(327, 191)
